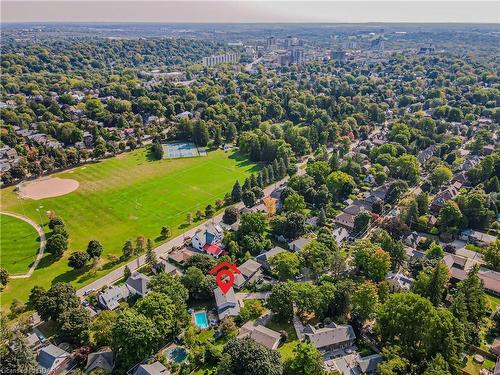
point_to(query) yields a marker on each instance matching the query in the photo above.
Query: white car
(88, 291)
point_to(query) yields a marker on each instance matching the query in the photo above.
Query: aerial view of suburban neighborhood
(249, 198)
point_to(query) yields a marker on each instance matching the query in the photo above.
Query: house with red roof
(209, 241)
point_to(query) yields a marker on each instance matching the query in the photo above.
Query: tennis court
(182, 150)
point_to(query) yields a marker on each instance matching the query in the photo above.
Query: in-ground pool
(176, 354)
(201, 319)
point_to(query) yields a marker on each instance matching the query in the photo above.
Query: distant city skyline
(251, 11)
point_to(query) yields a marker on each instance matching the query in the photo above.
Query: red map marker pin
(224, 277)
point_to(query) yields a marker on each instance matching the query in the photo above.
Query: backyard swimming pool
(201, 319)
(176, 354)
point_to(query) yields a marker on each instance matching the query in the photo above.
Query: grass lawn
(19, 244)
(474, 368)
(493, 301)
(285, 349)
(122, 198)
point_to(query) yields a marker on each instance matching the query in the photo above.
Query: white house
(209, 240)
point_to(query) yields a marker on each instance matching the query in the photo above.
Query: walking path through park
(165, 248)
(43, 241)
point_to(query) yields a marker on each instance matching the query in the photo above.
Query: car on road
(88, 291)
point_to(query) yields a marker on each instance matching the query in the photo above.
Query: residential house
(470, 163)
(88, 139)
(495, 346)
(138, 284)
(250, 272)
(460, 177)
(299, 243)
(209, 240)
(412, 240)
(353, 364)
(426, 154)
(184, 115)
(164, 265)
(261, 334)
(181, 256)
(488, 149)
(451, 192)
(227, 303)
(477, 238)
(103, 360)
(264, 258)
(340, 234)
(314, 221)
(155, 368)
(111, 297)
(369, 179)
(460, 267)
(331, 337)
(398, 281)
(52, 360)
(34, 341)
(346, 220)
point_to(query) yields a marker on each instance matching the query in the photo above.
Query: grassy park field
(18, 243)
(119, 199)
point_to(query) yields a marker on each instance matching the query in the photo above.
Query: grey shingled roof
(49, 354)
(330, 335)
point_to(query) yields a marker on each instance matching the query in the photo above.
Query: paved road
(163, 249)
(43, 242)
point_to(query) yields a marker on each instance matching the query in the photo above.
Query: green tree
(248, 198)
(199, 285)
(318, 258)
(438, 366)
(307, 360)
(56, 245)
(285, 265)
(281, 300)
(74, 323)
(252, 223)
(18, 357)
(100, 330)
(361, 222)
(246, 356)
(170, 286)
(54, 302)
(4, 277)
(165, 232)
(128, 249)
(491, 255)
(440, 176)
(135, 337)
(78, 259)
(200, 133)
(450, 219)
(432, 283)
(371, 259)
(365, 301)
(231, 215)
(340, 185)
(161, 310)
(94, 249)
(294, 203)
(151, 259)
(236, 192)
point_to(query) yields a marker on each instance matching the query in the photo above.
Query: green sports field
(123, 198)
(18, 244)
